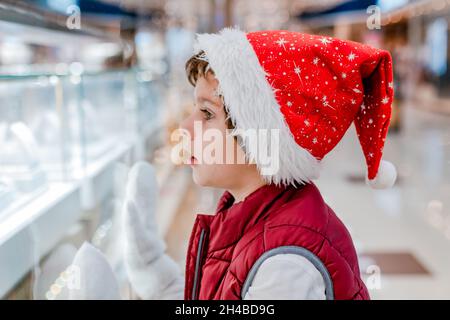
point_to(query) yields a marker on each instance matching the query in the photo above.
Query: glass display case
(102, 111)
(6, 195)
(33, 115)
(68, 127)
(149, 94)
(73, 120)
(143, 96)
(20, 163)
(62, 137)
(77, 108)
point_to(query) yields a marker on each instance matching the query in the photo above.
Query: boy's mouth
(192, 161)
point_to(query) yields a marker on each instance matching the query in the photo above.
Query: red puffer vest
(226, 249)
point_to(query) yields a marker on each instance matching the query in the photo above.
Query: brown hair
(198, 66)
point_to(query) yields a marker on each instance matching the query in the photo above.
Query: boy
(272, 236)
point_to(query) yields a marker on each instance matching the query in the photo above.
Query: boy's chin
(203, 179)
(199, 179)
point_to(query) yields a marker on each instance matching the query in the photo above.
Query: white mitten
(152, 273)
(95, 279)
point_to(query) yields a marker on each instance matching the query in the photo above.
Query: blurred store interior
(89, 87)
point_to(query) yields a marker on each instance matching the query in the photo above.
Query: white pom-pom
(386, 176)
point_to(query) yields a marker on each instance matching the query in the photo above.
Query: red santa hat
(311, 88)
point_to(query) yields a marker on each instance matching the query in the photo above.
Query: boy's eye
(208, 115)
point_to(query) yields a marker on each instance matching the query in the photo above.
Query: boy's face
(217, 160)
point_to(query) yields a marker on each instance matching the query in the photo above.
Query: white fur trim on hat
(251, 104)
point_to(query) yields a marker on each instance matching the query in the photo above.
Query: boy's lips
(192, 161)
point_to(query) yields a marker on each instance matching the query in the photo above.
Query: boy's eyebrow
(203, 99)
